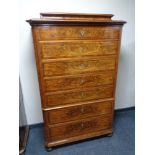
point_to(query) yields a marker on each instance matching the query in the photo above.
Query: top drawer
(79, 32)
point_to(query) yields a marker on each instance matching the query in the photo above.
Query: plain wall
(122, 9)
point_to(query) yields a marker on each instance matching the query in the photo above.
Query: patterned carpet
(121, 143)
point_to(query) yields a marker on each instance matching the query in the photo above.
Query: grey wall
(122, 9)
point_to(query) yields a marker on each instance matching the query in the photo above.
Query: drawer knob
(83, 94)
(82, 125)
(82, 81)
(83, 66)
(82, 110)
(81, 49)
(63, 47)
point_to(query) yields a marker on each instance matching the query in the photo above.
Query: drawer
(79, 32)
(58, 98)
(63, 49)
(75, 112)
(71, 129)
(78, 81)
(71, 67)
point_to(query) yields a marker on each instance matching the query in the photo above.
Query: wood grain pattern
(79, 32)
(60, 98)
(71, 67)
(71, 129)
(79, 81)
(75, 112)
(63, 49)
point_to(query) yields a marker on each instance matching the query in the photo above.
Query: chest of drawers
(77, 60)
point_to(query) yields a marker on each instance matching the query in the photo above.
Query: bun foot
(110, 134)
(48, 149)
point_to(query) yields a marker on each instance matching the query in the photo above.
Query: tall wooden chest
(77, 62)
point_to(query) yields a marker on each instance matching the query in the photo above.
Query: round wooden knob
(82, 110)
(82, 125)
(63, 47)
(82, 94)
(82, 49)
(82, 81)
(83, 66)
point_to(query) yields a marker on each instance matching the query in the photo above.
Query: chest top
(74, 19)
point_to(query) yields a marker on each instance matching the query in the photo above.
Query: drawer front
(79, 81)
(78, 66)
(79, 32)
(62, 131)
(70, 113)
(79, 96)
(78, 49)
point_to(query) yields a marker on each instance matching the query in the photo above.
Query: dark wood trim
(74, 19)
(48, 22)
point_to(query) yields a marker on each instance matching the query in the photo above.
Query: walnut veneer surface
(77, 60)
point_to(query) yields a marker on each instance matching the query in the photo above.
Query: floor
(121, 143)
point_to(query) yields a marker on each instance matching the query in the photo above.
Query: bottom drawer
(81, 127)
(76, 112)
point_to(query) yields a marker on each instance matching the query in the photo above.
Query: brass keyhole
(82, 33)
